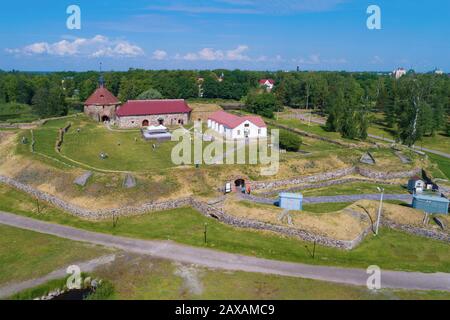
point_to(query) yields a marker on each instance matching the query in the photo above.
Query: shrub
(103, 292)
(290, 141)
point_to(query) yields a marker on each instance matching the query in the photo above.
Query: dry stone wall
(95, 214)
(322, 185)
(332, 175)
(211, 211)
(421, 232)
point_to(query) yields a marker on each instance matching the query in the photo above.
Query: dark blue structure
(430, 204)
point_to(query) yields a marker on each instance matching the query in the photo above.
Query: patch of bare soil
(191, 279)
(7, 145)
(203, 110)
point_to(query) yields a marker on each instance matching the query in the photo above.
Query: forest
(414, 106)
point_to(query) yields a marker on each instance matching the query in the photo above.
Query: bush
(264, 104)
(290, 141)
(150, 94)
(104, 292)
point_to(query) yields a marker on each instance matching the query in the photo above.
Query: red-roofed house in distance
(232, 127)
(101, 105)
(268, 84)
(143, 113)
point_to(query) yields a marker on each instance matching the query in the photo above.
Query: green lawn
(440, 141)
(16, 112)
(354, 188)
(26, 255)
(126, 149)
(132, 277)
(391, 249)
(146, 278)
(443, 164)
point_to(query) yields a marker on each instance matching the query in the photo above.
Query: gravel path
(227, 261)
(333, 199)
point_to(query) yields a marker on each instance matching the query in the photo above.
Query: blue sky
(245, 34)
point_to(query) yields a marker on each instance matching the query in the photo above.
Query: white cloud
(315, 59)
(376, 60)
(98, 46)
(159, 55)
(238, 53)
(210, 54)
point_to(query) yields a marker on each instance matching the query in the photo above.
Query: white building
(267, 83)
(400, 72)
(231, 126)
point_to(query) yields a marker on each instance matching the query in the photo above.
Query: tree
(264, 104)
(49, 102)
(150, 94)
(290, 141)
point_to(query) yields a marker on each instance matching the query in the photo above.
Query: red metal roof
(263, 81)
(232, 121)
(152, 107)
(102, 97)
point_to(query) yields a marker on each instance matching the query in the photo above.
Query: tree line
(414, 106)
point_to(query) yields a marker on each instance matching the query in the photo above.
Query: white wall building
(267, 83)
(400, 72)
(232, 127)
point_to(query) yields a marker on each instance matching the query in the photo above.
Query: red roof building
(101, 97)
(266, 81)
(232, 121)
(101, 105)
(231, 126)
(143, 113)
(153, 107)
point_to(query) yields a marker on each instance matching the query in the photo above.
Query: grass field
(136, 277)
(390, 250)
(132, 277)
(26, 255)
(439, 142)
(443, 164)
(16, 112)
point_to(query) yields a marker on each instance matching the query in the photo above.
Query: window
(239, 132)
(259, 131)
(247, 125)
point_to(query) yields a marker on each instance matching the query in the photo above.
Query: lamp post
(379, 209)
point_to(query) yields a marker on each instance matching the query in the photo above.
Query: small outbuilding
(416, 185)
(156, 133)
(291, 201)
(430, 204)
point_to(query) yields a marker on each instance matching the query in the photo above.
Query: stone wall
(324, 184)
(97, 113)
(421, 232)
(95, 214)
(332, 175)
(261, 185)
(369, 173)
(153, 120)
(211, 211)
